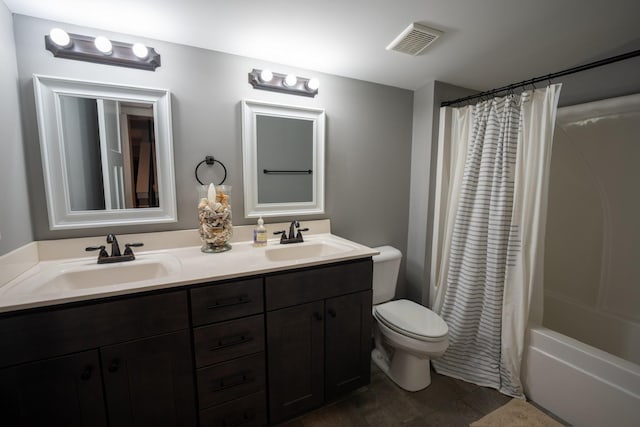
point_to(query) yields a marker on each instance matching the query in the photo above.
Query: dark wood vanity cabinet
(347, 343)
(296, 359)
(228, 338)
(61, 391)
(149, 382)
(125, 362)
(318, 336)
(157, 359)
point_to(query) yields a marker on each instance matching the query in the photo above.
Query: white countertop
(188, 266)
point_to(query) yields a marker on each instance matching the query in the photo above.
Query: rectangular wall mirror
(107, 153)
(283, 159)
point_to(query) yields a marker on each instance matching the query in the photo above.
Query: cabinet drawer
(249, 411)
(43, 334)
(227, 301)
(230, 380)
(284, 290)
(228, 340)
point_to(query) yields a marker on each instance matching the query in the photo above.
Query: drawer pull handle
(115, 365)
(231, 381)
(232, 340)
(246, 417)
(227, 302)
(332, 312)
(86, 374)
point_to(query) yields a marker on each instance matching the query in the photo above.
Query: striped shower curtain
(489, 228)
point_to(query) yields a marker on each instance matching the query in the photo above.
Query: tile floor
(447, 402)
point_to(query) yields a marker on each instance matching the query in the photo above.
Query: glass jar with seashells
(214, 217)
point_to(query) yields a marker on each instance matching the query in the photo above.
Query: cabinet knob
(332, 312)
(317, 315)
(86, 374)
(115, 365)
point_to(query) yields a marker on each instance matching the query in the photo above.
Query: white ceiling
(486, 43)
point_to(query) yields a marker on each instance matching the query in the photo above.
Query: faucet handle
(103, 253)
(128, 246)
(283, 236)
(299, 235)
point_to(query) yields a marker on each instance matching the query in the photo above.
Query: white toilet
(407, 335)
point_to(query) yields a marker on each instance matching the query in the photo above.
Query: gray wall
(368, 134)
(426, 117)
(609, 81)
(15, 226)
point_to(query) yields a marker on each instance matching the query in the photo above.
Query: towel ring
(209, 160)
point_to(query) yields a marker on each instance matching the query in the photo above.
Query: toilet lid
(411, 318)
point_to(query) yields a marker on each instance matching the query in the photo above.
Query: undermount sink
(309, 249)
(87, 274)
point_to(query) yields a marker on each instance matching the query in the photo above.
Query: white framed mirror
(283, 159)
(107, 153)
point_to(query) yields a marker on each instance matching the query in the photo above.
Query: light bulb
(60, 37)
(140, 50)
(313, 84)
(290, 80)
(266, 75)
(103, 44)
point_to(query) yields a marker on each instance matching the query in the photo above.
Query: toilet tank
(386, 266)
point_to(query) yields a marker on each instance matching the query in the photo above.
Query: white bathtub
(579, 383)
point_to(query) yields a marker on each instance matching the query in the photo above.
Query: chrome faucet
(294, 236)
(116, 256)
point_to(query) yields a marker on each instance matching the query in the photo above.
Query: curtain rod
(548, 77)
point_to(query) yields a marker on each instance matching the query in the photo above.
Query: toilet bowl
(407, 335)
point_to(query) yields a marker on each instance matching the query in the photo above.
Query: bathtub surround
(491, 219)
(591, 279)
(591, 297)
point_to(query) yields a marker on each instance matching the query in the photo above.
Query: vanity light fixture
(266, 76)
(60, 37)
(286, 83)
(290, 80)
(104, 45)
(140, 50)
(313, 84)
(101, 50)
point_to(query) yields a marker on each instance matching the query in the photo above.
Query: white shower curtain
(489, 224)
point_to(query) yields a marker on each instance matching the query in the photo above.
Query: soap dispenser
(260, 234)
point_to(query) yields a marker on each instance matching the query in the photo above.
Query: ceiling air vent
(414, 39)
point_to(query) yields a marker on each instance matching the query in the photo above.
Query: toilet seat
(412, 320)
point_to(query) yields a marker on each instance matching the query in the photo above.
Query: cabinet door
(149, 382)
(63, 391)
(347, 343)
(295, 341)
